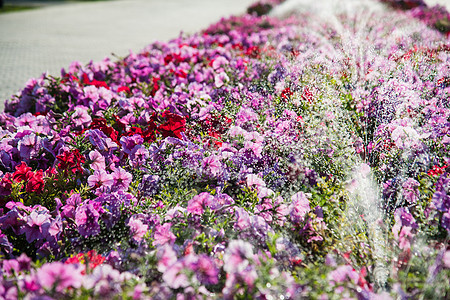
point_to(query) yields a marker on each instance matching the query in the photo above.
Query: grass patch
(8, 8)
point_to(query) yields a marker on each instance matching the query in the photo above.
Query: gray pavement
(50, 38)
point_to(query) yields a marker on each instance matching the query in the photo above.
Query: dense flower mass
(299, 156)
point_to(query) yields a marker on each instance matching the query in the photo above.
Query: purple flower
(100, 179)
(205, 269)
(410, 192)
(221, 200)
(68, 210)
(149, 185)
(59, 276)
(163, 235)
(29, 146)
(86, 218)
(122, 179)
(129, 142)
(199, 203)
(441, 199)
(139, 156)
(445, 222)
(33, 229)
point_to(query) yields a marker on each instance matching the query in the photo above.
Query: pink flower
(299, 207)
(243, 218)
(163, 235)
(166, 257)
(59, 276)
(211, 165)
(343, 273)
(236, 256)
(137, 228)
(197, 205)
(446, 259)
(81, 117)
(254, 180)
(100, 179)
(220, 79)
(175, 277)
(98, 161)
(122, 179)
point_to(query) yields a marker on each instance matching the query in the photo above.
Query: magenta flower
(199, 203)
(100, 179)
(122, 179)
(59, 276)
(27, 119)
(163, 235)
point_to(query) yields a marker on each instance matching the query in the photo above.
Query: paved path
(51, 37)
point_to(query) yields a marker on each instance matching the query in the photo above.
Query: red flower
(155, 81)
(94, 82)
(307, 95)
(149, 134)
(100, 124)
(91, 258)
(124, 89)
(435, 171)
(286, 93)
(35, 182)
(134, 130)
(173, 126)
(21, 172)
(71, 161)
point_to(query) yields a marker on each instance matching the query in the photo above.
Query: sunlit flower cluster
(219, 166)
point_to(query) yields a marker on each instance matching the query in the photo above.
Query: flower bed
(262, 158)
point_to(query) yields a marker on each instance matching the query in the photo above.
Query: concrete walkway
(50, 38)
